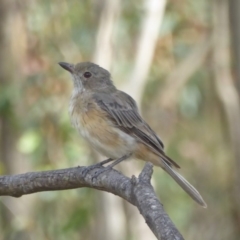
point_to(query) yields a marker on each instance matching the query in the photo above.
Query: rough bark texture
(137, 191)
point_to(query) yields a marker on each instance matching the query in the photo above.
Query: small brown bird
(110, 121)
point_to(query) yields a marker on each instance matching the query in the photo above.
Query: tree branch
(137, 191)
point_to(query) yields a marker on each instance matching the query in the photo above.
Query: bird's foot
(110, 166)
(87, 169)
(100, 171)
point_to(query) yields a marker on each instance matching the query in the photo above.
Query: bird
(110, 121)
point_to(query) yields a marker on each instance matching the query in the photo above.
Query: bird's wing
(123, 112)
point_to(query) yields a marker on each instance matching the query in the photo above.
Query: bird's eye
(87, 74)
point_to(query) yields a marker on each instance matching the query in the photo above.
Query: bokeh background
(180, 59)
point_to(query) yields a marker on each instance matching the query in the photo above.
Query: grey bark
(137, 191)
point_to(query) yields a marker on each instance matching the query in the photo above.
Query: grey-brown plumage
(109, 119)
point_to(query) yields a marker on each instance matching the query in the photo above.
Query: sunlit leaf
(29, 142)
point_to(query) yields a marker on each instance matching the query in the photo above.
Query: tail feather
(186, 186)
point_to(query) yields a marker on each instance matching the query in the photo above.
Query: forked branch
(137, 191)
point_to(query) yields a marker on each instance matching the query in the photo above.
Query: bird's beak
(67, 66)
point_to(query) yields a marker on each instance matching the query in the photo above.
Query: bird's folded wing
(123, 112)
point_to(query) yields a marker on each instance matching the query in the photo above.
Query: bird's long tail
(185, 185)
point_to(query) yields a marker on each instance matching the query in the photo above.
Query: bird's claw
(100, 171)
(86, 170)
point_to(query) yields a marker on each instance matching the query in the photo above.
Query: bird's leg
(91, 167)
(110, 166)
(117, 161)
(106, 161)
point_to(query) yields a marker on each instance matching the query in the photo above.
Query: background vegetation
(178, 58)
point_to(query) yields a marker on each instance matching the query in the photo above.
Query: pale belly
(102, 136)
(113, 145)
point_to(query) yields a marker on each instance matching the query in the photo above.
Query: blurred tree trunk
(14, 212)
(7, 136)
(104, 44)
(234, 14)
(229, 97)
(147, 41)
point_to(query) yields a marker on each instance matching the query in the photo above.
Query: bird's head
(88, 76)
